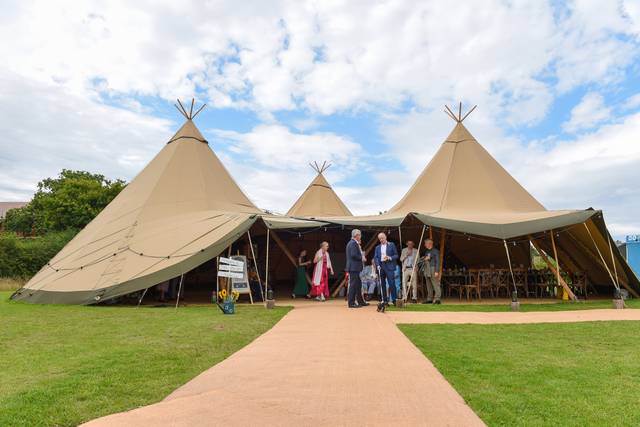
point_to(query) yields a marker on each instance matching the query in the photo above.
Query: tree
(69, 201)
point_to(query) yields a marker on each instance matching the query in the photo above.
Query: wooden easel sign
(235, 268)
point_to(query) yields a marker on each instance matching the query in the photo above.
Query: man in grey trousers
(431, 273)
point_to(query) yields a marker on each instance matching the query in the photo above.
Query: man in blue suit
(386, 257)
(355, 260)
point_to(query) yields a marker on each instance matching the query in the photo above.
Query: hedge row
(23, 257)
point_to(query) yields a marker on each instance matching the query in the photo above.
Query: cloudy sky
(91, 85)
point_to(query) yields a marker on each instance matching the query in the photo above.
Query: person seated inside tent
(369, 281)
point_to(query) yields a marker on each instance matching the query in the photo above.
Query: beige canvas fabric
(182, 209)
(463, 177)
(319, 200)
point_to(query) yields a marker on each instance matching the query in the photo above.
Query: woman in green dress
(301, 288)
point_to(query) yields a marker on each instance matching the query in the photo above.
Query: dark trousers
(388, 277)
(355, 288)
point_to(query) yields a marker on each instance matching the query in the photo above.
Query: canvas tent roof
(319, 199)
(181, 210)
(464, 189)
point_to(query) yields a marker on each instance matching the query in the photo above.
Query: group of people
(388, 268)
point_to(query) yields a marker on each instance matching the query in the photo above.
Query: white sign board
(234, 260)
(236, 268)
(230, 274)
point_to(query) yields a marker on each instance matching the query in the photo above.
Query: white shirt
(383, 251)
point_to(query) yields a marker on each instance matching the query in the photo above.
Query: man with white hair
(355, 263)
(386, 258)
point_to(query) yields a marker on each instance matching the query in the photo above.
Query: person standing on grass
(301, 288)
(431, 273)
(355, 263)
(320, 282)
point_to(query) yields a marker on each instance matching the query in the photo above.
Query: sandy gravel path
(322, 364)
(517, 317)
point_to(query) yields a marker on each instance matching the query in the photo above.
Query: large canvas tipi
(181, 210)
(319, 199)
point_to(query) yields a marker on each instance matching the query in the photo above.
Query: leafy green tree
(69, 201)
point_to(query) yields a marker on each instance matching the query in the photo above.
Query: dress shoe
(414, 301)
(427, 302)
(364, 304)
(354, 306)
(437, 302)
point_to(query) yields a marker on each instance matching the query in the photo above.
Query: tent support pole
(513, 278)
(443, 234)
(143, 294)
(555, 255)
(266, 272)
(553, 269)
(400, 237)
(179, 290)
(615, 285)
(217, 278)
(414, 275)
(613, 261)
(255, 263)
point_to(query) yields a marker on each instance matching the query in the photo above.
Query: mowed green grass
(569, 374)
(524, 306)
(62, 365)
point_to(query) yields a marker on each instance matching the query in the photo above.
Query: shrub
(23, 257)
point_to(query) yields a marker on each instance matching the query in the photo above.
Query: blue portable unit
(630, 250)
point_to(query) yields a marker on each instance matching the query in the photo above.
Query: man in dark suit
(386, 257)
(355, 260)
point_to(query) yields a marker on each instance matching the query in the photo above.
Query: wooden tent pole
(555, 256)
(266, 272)
(443, 233)
(289, 255)
(615, 285)
(400, 237)
(430, 234)
(255, 262)
(613, 261)
(553, 269)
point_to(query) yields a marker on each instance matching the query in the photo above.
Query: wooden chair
(454, 282)
(580, 283)
(522, 282)
(503, 282)
(472, 284)
(486, 283)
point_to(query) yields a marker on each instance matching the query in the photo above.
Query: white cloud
(511, 58)
(325, 56)
(46, 129)
(588, 114)
(272, 162)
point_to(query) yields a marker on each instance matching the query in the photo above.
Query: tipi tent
(181, 210)
(470, 199)
(319, 200)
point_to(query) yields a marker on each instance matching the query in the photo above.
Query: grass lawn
(66, 364)
(524, 306)
(569, 374)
